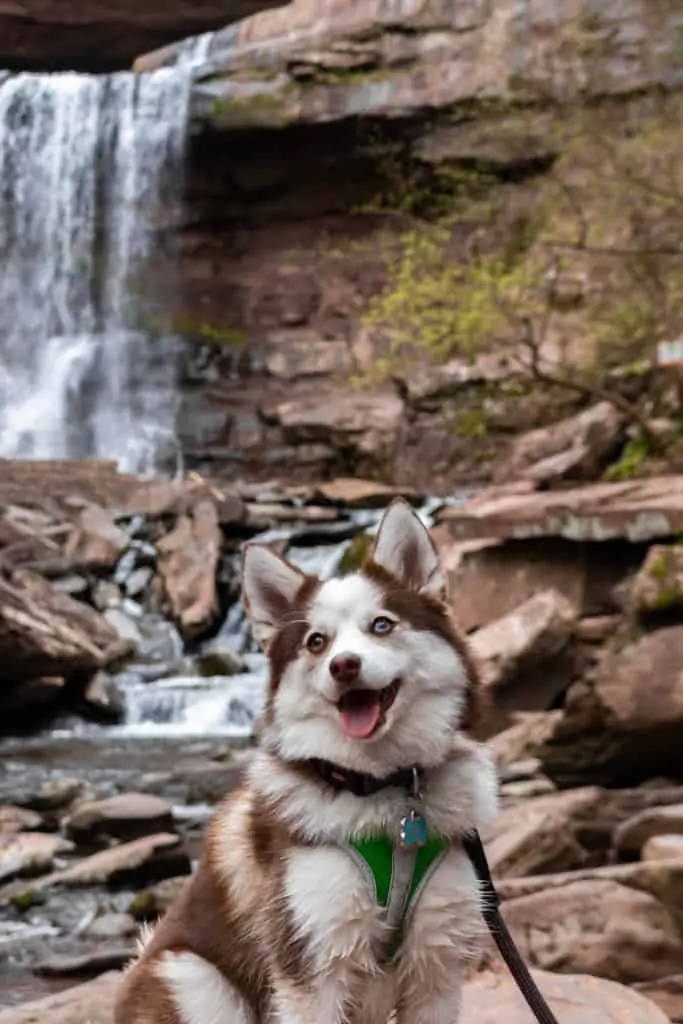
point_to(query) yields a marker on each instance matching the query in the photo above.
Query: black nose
(345, 668)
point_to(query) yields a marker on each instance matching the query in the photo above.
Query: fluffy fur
(279, 924)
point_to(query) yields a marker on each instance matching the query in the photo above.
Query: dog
(333, 888)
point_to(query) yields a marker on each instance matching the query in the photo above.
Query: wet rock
(492, 997)
(577, 448)
(106, 594)
(112, 926)
(624, 726)
(663, 847)
(138, 581)
(136, 863)
(658, 587)
(17, 819)
(634, 833)
(218, 659)
(125, 816)
(598, 928)
(637, 510)
(29, 853)
(188, 562)
(96, 541)
(90, 1003)
(124, 627)
(102, 701)
(86, 964)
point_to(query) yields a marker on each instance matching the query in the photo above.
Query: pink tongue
(361, 721)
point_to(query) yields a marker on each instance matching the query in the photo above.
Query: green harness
(398, 877)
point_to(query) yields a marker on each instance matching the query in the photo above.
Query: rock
(96, 541)
(149, 904)
(492, 997)
(637, 510)
(188, 562)
(632, 835)
(666, 993)
(577, 448)
(488, 579)
(138, 581)
(90, 1003)
(29, 853)
(112, 926)
(17, 819)
(598, 928)
(516, 651)
(663, 847)
(368, 425)
(521, 739)
(45, 633)
(86, 964)
(125, 816)
(353, 492)
(123, 626)
(102, 701)
(595, 629)
(218, 659)
(658, 586)
(106, 594)
(297, 353)
(97, 38)
(136, 863)
(33, 695)
(625, 725)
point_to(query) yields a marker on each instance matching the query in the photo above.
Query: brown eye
(382, 626)
(316, 643)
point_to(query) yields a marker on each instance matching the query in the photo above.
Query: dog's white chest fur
(334, 904)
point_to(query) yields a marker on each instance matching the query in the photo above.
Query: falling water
(88, 165)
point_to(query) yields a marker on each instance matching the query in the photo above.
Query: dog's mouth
(363, 711)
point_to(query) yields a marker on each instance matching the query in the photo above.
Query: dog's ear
(269, 588)
(404, 549)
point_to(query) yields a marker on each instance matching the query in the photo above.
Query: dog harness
(397, 876)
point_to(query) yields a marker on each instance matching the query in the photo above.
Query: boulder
(520, 740)
(96, 542)
(658, 586)
(518, 652)
(188, 564)
(625, 725)
(576, 448)
(575, 998)
(632, 835)
(17, 819)
(354, 492)
(596, 927)
(90, 1003)
(125, 816)
(663, 847)
(29, 853)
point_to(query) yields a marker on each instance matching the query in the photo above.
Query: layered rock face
(305, 116)
(93, 36)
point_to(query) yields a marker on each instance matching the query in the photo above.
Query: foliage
(630, 462)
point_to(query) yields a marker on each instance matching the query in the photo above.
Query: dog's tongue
(359, 712)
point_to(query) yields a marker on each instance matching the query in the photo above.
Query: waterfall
(89, 166)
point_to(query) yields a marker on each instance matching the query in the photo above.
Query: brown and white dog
(371, 690)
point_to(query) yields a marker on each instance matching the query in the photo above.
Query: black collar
(361, 784)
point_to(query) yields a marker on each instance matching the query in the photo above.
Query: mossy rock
(658, 586)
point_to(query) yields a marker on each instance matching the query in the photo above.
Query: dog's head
(366, 670)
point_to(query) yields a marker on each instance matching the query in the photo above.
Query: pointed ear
(404, 549)
(269, 588)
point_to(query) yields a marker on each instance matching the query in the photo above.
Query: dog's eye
(316, 643)
(382, 626)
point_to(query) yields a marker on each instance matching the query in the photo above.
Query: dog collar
(363, 784)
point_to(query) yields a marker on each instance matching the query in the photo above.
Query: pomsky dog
(333, 888)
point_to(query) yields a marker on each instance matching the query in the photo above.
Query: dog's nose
(345, 668)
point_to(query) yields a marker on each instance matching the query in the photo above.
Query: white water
(87, 165)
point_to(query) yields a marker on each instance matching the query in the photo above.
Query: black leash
(474, 849)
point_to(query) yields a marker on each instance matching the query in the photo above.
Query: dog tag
(413, 830)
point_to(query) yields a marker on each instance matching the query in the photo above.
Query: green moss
(471, 423)
(356, 553)
(268, 103)
(142, 906)
(231, 337)
(25, 900)
(630, 462)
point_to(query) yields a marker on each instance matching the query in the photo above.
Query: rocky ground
(572, 599)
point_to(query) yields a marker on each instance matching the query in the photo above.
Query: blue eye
(382, 626)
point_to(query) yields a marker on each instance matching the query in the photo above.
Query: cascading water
(87, 166)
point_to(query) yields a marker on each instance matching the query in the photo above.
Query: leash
(521, 975)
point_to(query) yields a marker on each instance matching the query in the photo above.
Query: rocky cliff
(303, 117)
